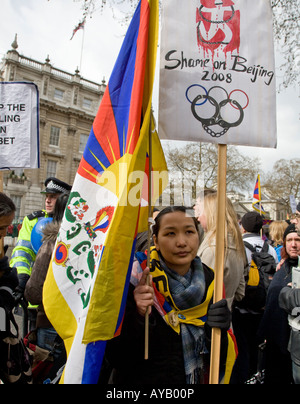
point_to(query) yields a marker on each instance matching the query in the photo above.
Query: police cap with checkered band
(56, 186)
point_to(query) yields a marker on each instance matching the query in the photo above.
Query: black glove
(9, 281)
(20, 290)
(4, 266)
(9, 278)
(219, 315)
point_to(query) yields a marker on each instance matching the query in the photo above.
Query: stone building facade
(68, 105)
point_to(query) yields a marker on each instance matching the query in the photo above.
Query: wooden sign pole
(1, 181)
(219, 263)
(149, 234)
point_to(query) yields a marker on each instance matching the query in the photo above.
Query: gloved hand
(4, 266)
(9, 276)
(19, 291)
(219, 315)
(9, 281)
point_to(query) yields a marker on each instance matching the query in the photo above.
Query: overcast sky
(45, 28)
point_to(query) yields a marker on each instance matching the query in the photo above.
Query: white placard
(217, 72)
(19, 125)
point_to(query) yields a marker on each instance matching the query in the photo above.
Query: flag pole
(219, 262)
(82, 46)
(149, 233)
(260, 208)
(259, 193)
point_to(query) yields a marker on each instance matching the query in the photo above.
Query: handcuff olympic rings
(195, 85)
(216, 118)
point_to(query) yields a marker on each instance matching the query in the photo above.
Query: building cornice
(71, 112)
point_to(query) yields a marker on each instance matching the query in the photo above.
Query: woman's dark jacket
(125, 354)
(35, 284)
(274, 325)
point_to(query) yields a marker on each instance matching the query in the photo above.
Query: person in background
(10, 370)
(277, 229)
(235, 264)
(46, 335)
(247, 313)
(23, 255)
(274, 325)
(251, 225)
(8, 275)
(297, 224)
(289, 301)
(295, 217)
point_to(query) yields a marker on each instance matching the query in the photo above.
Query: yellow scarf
(164, 301)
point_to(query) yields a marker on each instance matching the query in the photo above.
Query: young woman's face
(200, 214)
(178, 241)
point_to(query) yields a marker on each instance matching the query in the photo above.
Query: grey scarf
(187, 292)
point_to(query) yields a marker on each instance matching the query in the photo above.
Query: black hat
(55, 186)
(290, 229)
(252, 222)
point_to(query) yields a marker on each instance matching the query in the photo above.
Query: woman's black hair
(7, 206)
(60, 207)
(171, 209)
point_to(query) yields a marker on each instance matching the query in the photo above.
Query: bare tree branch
(286, 30)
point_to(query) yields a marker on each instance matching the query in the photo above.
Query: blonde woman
(276, 231)
(235, 264)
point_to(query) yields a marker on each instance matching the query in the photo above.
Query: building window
(83, 142)
(59, 94)
(17, 199)
(54, 136)
(87, 103)
(51, 168)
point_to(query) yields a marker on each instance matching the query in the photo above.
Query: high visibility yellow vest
(23, 256)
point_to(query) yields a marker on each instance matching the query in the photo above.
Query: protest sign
(217, 85)
(217, 72)
(19, 125)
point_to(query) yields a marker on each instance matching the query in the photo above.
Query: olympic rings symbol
(199, 100)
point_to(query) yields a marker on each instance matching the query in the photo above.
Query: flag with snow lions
(86, 287)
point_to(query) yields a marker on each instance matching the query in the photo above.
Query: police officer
(23, 255)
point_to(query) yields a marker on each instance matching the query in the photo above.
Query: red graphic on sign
(218, 26)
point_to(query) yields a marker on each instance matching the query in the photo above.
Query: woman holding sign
(181, 314)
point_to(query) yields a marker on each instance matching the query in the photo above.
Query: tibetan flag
(256, 204)
(86, 287)
(259, 208)
(257, 192)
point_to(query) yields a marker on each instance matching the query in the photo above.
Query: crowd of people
(260, 308)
